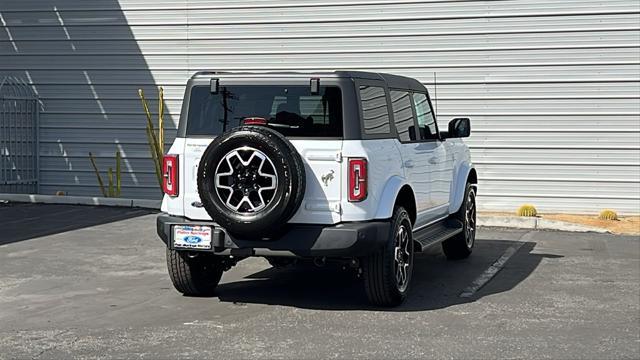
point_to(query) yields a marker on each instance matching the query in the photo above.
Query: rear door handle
(433, 160)
(408, 164)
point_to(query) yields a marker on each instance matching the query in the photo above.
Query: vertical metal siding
(552, 87)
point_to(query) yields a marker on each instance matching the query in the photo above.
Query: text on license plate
(192, 237)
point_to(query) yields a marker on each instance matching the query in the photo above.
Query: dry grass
(628, 225)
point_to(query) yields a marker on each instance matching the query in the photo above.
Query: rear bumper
(341, 240)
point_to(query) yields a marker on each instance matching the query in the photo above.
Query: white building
(552, 87)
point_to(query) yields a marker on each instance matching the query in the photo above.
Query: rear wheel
(461, 245)
(387, 273)
(194, 275)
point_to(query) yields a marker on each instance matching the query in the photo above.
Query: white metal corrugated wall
(552, 87)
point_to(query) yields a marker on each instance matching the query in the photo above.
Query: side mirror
(459, 128)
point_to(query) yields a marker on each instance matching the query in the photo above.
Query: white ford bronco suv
(343, 166)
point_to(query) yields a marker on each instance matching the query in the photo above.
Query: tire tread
(188, 277)
(379, 279)
(456, 248)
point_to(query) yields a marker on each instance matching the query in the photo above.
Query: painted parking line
(492, 270)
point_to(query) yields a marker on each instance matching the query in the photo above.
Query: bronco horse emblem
(327, 177)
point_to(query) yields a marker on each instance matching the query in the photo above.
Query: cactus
(118, 177)
(95, 168)
(155, 138)
(110, 177)
(161, 119)
(527, 210)
(608, 214)
(113, 189)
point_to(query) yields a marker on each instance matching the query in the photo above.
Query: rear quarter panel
(384, 164)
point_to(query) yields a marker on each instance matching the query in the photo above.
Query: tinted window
(426, 119)
(375, 114)
(403, 115)
(291, 110)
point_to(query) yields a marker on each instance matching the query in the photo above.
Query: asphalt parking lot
(91, 282)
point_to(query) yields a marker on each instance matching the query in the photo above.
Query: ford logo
(192, 239)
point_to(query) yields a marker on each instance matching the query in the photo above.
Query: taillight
(170, 175)
(357, 179)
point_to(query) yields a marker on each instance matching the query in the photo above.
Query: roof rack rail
(208, 73)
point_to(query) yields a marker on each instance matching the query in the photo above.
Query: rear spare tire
(251, 181)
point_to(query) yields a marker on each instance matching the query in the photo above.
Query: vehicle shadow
(437, 282)
(27, 221)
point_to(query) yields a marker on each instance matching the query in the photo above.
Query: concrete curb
(524, 222)
(82, 200)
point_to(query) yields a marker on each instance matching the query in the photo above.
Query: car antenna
(435, 93)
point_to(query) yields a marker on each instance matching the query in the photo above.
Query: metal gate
(19, 112)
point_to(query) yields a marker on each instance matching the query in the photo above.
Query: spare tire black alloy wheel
(246, 180)
(251, 181)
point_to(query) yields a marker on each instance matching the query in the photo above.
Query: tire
(461, 245)
(383, 285)
(259, 171)
(194, 276)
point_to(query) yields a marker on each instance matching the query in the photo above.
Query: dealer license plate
(192, 237)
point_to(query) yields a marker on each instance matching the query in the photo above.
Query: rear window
(291, 110)
(375, 113)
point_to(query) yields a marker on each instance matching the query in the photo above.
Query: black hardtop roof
(393, 81)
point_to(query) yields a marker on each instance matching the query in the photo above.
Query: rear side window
(403, 115)
(426, 119)
(375, 114)
(291, 110)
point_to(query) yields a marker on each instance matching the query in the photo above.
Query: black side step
(437, 232)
